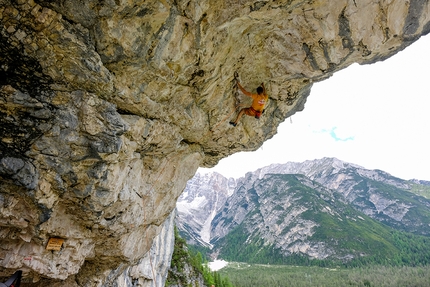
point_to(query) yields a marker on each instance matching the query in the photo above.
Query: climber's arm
(243, 90)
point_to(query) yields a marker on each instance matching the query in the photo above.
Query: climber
(259, 100)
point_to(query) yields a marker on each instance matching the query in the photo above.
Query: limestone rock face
(107, 108)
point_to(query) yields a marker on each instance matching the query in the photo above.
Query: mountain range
(323, 209)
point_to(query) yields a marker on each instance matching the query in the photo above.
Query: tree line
(250, 275)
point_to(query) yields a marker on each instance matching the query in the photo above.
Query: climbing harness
(13, 281)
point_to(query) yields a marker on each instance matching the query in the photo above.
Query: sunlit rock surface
(107, 108)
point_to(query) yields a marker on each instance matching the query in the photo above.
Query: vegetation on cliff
(189, 269)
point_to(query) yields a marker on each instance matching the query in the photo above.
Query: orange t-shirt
(259, 101)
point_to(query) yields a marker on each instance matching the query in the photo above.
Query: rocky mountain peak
(310, 168)
(275, 203)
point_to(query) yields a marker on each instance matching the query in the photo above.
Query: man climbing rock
(259, 101)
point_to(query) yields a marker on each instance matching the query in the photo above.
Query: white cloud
(374, 115)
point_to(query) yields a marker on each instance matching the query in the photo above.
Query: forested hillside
(308, 225)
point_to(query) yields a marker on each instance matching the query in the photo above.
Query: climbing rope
(225, 118)
(236, 92)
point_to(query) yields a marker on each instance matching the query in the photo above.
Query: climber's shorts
(253, 113)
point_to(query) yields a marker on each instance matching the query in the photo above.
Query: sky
(376, 116)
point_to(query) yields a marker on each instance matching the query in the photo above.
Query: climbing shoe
(233, 124)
